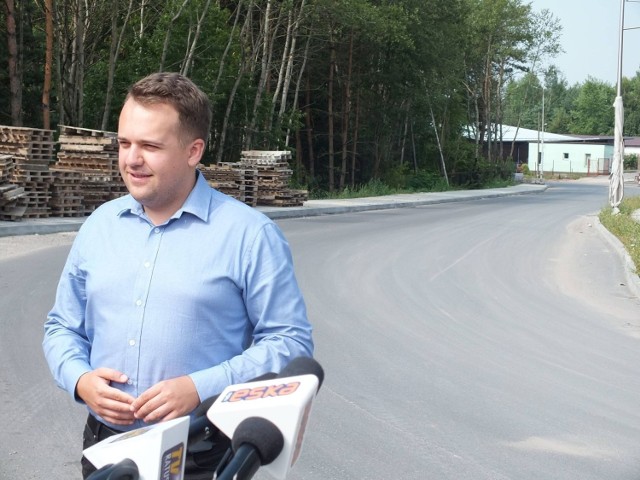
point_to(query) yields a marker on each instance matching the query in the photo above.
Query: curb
(630, 273)
(310, 208)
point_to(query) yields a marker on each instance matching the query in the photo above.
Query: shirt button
(132, 342)
(129, 382)
(147, 264)
(138, 302)
(157, 230)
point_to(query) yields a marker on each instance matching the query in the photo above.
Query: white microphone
(285, 401)
(157, 450)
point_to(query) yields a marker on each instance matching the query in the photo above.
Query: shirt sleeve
(66, 346)
(277, 315)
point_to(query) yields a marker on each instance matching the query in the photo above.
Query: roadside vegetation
(625, 227)
(369, 96)
(479, 175)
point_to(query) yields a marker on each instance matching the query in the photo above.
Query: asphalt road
(493, 339)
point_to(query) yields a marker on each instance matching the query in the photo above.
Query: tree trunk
(46, 90)
(308, 119)
(346, 115)
(116, 41)
(405, 130)
(189, 60)
(442, 163)
(298, 83)
(287, 54)
(264, 73)
(332, 66)
(15, 88)
(415, 154)
(355, 142)
(241, 72)
(165, 45)
(227, 47)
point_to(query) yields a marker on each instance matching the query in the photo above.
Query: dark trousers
(198, 466)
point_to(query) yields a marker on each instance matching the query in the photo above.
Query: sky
(590, 36)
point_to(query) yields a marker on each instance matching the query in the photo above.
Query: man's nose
(133, 155)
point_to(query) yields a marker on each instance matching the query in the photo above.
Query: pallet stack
(274, 176)
(32, 150)
(234, 180)
(67, 197)
(93, 154)
(12, 204)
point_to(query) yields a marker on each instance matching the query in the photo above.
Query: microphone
(303, 366)
(256, 442)
(158, 451)
(285, 400)
(124, 470)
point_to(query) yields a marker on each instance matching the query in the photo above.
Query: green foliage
(406, 77)
(426, 181)
(625, 227)
(593, 111)
(479, 173)
(631, 162)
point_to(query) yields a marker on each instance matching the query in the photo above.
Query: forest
(403, 92)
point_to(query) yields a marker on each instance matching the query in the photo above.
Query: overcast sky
(590, 36)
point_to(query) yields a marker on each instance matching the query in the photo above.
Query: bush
(631, 162)
(426, 180)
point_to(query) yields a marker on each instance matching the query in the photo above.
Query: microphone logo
(171, 466)
(258, 393)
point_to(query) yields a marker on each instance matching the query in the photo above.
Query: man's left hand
(166, 400)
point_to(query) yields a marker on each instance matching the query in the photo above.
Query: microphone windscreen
(303, 366)
(202, 409)
(263, 435)
(264, 376)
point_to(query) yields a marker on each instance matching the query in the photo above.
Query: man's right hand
(113, 405)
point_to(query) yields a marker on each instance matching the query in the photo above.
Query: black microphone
(303, 366)
(200, 428)
(123, 470)
(256, 442)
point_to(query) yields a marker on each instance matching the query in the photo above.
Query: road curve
(492, 339)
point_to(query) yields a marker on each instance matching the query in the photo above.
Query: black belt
(99, 430)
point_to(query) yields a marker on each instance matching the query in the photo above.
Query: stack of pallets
(93, 154)
(274, 176)
(12, 205)
(234, 180)
(32, 150)
(67, 197)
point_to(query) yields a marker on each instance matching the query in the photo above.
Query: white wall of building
(571, 157)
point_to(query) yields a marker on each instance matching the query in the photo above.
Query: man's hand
(113, 405)
(166, 400)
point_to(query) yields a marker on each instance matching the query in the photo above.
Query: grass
(625, 227)
(377, 188)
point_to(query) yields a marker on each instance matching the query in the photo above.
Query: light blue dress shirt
(211, 294)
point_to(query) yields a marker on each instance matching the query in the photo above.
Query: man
(175, 291)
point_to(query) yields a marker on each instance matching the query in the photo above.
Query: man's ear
(195, 151)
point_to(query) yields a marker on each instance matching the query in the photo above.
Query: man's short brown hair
(191, 103)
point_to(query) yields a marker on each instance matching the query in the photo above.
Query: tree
(593, 109)
(15, 89)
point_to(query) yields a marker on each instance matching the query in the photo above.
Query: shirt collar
(197, 203)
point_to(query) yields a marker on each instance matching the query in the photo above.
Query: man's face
(157, 168)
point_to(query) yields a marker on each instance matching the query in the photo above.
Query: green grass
(377, 188)
(625, 227)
